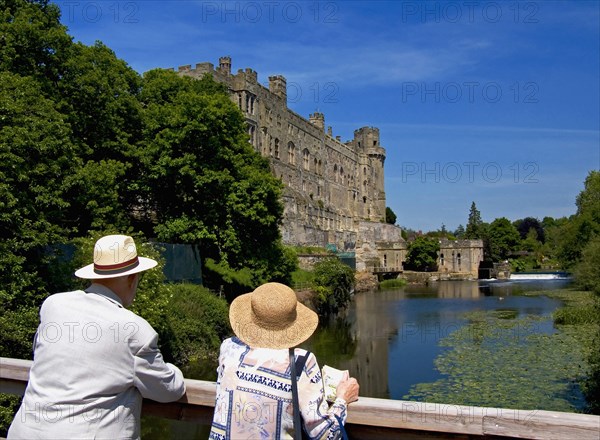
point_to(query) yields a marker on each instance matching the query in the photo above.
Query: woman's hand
(348, 390)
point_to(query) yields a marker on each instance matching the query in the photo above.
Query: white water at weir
(537, 276)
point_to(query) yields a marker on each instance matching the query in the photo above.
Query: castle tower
(318, 120)
(278, 86)
(366, 140)
(225, 65)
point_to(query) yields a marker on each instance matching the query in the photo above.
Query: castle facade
(334, 190)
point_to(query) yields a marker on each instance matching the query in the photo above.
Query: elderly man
(94, 360)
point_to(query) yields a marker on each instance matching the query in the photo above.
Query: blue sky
(493, 102)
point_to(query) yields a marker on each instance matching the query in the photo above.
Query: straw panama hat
(271, 317)
(115, 256)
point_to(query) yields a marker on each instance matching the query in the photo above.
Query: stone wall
(379, 245)
(460, 257)
(330, 186)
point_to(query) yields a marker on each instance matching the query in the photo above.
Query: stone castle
(334, 191)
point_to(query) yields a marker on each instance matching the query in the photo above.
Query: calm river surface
(389, 339)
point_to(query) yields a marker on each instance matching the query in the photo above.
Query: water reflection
(391, 338)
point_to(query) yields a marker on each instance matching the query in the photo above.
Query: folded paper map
(331, 378)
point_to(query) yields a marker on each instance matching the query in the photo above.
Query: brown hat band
(115, 269)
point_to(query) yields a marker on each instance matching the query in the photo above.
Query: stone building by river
(334, 191)
(461, 258)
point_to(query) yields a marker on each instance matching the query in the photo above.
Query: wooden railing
(370, 418)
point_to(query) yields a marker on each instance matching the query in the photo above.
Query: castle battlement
(330, 186)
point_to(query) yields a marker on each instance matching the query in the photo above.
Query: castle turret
(278, 86)
(225, 65)
(318, 120)
(366, 140)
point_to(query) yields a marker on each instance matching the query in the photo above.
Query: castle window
(441, 259)
(458, 260)
(291, 153)
(341, 175)
(335, 173)
(306, 159)
(384, 260)
(364, 199)
(276, 148)
(320, 170)
(252, 133)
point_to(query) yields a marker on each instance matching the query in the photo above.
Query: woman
(254, 397)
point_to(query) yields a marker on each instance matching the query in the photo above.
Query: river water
(389, 339)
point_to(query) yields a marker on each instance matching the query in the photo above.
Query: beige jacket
(94, 360)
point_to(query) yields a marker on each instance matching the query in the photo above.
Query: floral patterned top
(254, 396)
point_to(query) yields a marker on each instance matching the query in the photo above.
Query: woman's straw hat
(115, 256)
(271, 317)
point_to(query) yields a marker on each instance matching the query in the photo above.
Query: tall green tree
(584, 225)
(333, 284)
(460, 232)
(100, 98)
(204, 181)
(33, 41)
(37, 159)
(474, 224)
(390, 216)
(422, 254)
(503, 238)
(526, 224)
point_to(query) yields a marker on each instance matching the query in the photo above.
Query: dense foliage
(197, 322)
(390, 216)
(333, 284)
(88, 146)
(205, 184)
(422, 254)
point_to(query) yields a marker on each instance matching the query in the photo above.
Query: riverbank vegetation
(333, 286)
(501, 360)
(392, 283)
(88, 146)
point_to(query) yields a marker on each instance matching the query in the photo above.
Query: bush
(197, 321)
(333, 285)
(390, 284)
(586, 271)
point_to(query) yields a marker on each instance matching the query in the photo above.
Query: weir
(371, 418)
(539, 276)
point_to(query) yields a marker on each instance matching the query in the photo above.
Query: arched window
(441, 259)
(306, 159)
(291, 153)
